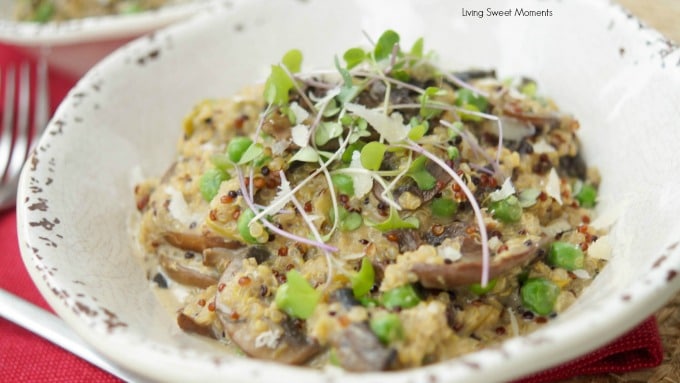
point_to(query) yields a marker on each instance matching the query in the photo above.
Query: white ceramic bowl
(74, 46)
(621, 80)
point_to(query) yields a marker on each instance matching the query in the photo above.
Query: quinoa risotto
(383, 215)
(60, 10)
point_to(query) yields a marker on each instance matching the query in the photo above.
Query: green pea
(363, 281)
(539, 295)
(243, 225)
(351, 221)
(297, 297)
(44, 11)
(343, 183)
(565, 255)
(347, 221)
(387, 327)
(477, 288)
(131, 7)
(403, 297)
(237, 146)
(368, 301)
(444, 207)
(210, 182)
(507, 210)
(587, 196)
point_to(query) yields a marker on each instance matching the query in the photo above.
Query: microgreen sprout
(473, 203)
(341, 138)
(395, 222)
(271, 226)
(313, 229)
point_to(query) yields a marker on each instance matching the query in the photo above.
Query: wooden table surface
(662, 15)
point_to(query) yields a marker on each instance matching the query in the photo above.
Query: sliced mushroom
(345, 297)
(468, 269)
(410, 239)
(551, 119)
(573, 166)
(442, 177)
(358, 349)
(198, 243)
(285, 342)
(185, 274)
(407, 239)
(187, 324)
(290, 346)
(474, 74)
(452, 230)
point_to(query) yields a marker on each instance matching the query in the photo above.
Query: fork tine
(7, 121)
(22, 122)
(42, 99)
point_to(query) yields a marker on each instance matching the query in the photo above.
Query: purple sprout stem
(273, 227)
(473, 202)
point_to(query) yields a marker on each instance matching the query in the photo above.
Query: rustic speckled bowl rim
(517, 357)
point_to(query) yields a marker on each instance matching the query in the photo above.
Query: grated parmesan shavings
(363, 183)
(552, 187)
(504, 192)
(541, 147)
(178, 207)
(269, 339)
(600, 248)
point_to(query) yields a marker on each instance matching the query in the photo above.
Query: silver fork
(17, 137)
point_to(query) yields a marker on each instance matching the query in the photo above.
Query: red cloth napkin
(25, 357)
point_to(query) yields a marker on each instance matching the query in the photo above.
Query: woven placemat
(668, 319)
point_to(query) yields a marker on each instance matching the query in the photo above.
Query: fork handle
(52, 328)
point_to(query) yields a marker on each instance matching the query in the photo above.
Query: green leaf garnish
(394, 222)
(292, 60)
(348, 90)
(347, 221)
(252, 153)
(426, 111)
(354, 57)
(210, 183)
(343, 183)
(401, 75)
(418, 131)
(452, 152)
(306, 154)
(362, 282)
(467, 99)
(277, 86)
(297, 297)
(372, 155)
(326, 131)
(351, 148)
(417, 48)
(385, 44)
(418, 173)
(529, 89)
(222, 161)
(444, 207)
